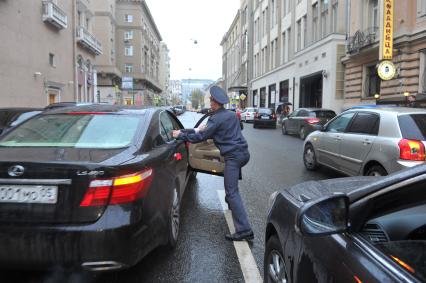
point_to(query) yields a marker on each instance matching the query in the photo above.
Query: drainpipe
(74, 46)
(294, 89)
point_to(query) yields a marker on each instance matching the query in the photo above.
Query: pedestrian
(224, 128)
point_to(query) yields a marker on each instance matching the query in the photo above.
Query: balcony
(362, 39)
(54, 15)
(88, 40)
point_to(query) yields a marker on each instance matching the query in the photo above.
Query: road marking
(248, 264)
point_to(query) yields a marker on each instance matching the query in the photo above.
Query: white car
(248, 114)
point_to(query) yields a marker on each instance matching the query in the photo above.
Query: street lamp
(376, 97)
(406, 95)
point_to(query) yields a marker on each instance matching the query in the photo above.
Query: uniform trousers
(233, 164)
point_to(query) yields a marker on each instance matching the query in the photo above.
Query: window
(128, 35)
(262, 97)
(372, 83)
(52, 60)
(324, 15)
(273, 14)
(272, 63)
(373, 13)
(167, 126)
(128, 68)
(413, 126)
(335, 16)
(340, 123)
(299, 35)
(264, 21)
(128, 50)
(256, 30)
(128, 18)
(315, 22)
(421, 8)
(283, 47)
(365, 123)
(305, 32)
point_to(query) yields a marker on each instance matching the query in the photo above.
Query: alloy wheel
(302, 133)
(277, 268)
(175, 215)
(309, 158)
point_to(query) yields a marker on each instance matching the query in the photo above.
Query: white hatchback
(248, 114)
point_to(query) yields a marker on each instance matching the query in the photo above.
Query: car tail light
(411, 150)
(248, 114)
(123, 189)
(274, 116)
(312, 120)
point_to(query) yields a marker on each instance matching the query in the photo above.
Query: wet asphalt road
(202, 254)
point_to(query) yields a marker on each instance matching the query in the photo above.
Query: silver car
(248, 114)
(373, 142)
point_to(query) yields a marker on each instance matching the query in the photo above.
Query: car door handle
(366, 142)
(338, 138)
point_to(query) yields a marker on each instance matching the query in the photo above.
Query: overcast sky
(206, 21)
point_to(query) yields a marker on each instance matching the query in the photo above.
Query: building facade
(138, 52)
(362, 84)
(176, 91)
(294, 50)
(47, 73)
(164, 74)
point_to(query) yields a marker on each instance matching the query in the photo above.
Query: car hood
(312, 190)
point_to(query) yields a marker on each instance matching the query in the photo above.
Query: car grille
(374, 233)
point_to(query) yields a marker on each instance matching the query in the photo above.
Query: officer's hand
(175, 134)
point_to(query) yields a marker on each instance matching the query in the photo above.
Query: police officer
(223, 127)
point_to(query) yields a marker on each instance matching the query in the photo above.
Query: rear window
(413, 126)
(265, 111)
(78, 131)
(323, 114)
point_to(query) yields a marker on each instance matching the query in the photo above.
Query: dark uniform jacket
(224, 128)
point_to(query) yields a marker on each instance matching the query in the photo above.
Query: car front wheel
(174, 220)
(302, 133)
(274, 267)
(283, 128)
(309, 158)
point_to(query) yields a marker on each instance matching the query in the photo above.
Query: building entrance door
(311, 91)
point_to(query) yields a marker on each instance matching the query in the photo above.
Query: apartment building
(37, 43)
(176, 91)
(362, 83)
(164, 73)
(294, 50)
(108, 74)
(138, 52)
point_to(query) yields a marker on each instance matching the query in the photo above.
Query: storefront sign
(386, 41)
(386, 70)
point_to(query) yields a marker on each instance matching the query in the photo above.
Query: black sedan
(360, 229)
(95, 186)
(265, 117)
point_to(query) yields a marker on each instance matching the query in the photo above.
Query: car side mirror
(326, 216)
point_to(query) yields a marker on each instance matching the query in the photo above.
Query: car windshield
(322, 114)
(78, 131)
(265, 111)
(413, 126)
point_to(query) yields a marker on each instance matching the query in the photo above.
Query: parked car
(265, 117)
(11, 117)
(248, 114)
(78, 189)
(369, 141)
(357, 229)
(179, 109)
(203, 111)
(304, 121)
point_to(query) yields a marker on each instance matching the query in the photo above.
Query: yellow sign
(242, 97)
(386, 42)
(386, 70)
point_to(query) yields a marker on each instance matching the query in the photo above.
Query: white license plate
(264, 118)
(28, 194)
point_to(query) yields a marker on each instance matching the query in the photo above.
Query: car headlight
(272, 199)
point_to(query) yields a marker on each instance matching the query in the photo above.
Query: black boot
(239, 236)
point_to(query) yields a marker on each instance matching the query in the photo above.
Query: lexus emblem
(16, 171)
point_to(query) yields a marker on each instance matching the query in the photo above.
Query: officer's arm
(196, 137)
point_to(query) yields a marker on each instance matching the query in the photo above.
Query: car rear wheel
(254, 125)
(283, 128)
(376, 170)
(309, 158)
(174, 220)
(274, 268)
(302, 133)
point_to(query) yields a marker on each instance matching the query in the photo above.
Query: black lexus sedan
(93, 186)
(359, 229)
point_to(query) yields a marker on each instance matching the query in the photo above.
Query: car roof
(119, 109)
(315, 109)
(390, 110)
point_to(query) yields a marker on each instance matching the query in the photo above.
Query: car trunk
(46, 170)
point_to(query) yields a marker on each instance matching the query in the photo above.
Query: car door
(290, 122)
(328, 146)
(205, 156)
(178, 152)
(358, 141)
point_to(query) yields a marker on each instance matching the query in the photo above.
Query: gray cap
(219, 95)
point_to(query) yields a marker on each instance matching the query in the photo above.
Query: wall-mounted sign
(386, 40)
(386, 70)
(242, 97)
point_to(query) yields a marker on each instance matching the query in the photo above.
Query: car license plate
(28, 194)
(265, 117)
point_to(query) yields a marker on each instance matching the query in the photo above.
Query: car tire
(254, 126)
(173, 222)
(274, 262)
(302, 133)
(376, 170)
(309, 158)
(284, 129)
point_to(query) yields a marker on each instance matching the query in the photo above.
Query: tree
(197, 99)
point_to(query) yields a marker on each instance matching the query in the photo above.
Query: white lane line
(248, 264)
